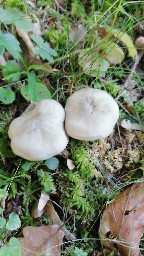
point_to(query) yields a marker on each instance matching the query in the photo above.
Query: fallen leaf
(122, 223)
(44, 241)
(131, 126)
(45, 206)
(92, 64)
(54, 219)
(126, 39)
(111, 52)
(70, 164)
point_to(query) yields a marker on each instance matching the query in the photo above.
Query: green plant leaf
(11, 44)
(7, 96)
(2, 222)
(43, 49)
(13, 16)
(79, 252)
(5, 148)
(52, 163)
(11, 71)
(35, 91)
(14, 222)
(13, 248)
(3, 193)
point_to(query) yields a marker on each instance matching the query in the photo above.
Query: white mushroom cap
(39, 133)
(90, 114)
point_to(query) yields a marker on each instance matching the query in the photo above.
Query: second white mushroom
(90, 114)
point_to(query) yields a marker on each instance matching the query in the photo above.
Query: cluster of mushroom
(42, 130)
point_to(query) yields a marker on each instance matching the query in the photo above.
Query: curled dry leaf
(44, 241)
(131, 126)
(139, 43)
(122, 223)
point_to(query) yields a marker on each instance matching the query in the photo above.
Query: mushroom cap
(39, 133)
(90, 114)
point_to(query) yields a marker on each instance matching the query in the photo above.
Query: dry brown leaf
(139, 43)
(122, 223)
(54, 219)
(111, 52)
(44, 241)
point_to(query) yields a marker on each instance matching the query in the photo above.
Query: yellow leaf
(92, 64)
(126, 39)
(111, 52)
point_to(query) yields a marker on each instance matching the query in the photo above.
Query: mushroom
(39, 133)
(90, 114)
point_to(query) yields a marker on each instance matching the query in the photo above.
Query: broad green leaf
(35, 91)
(7, 96)
(125, 38)
(79, 252)
(2, 222)
(43, 49)
(11, 71)
(52, 163)
(14, 222)
(3, 193)
(13, 248)
(11, 44)
(12, 16)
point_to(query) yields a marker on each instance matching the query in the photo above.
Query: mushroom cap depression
(90, 114)
(39, 133)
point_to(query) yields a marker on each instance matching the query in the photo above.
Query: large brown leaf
(122, 223)
(44, 241)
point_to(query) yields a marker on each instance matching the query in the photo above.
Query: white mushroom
(90, 114)
(39, 133)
